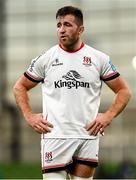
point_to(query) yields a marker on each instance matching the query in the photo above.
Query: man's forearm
(104, 119)
(120, 102)
(22, 100)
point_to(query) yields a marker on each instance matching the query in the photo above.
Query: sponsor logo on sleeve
(112, 66)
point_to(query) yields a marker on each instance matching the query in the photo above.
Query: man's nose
(62, 29)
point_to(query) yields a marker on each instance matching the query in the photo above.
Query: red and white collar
(82, 45)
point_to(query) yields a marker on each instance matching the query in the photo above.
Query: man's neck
(73, 48)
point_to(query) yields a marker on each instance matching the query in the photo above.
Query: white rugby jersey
(71, 85)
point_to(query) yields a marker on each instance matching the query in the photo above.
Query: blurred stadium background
(28, 27)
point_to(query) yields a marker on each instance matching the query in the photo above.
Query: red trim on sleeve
(110, 76)
(32, 78)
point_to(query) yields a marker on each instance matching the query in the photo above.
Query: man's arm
(36, 121)
(120, 87)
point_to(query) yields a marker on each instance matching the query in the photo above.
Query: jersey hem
(43, 136)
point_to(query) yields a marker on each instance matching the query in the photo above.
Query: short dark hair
(66, 10)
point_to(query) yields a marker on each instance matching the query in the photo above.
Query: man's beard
(69, 44)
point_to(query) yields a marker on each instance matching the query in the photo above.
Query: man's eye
(58, 25)
(67, 24)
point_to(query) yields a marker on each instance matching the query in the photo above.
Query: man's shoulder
(96, 52)
(46, 54)
(50, 50)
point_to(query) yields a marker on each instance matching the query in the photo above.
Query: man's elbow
(18, 87)
(15, 88)
(128, 93)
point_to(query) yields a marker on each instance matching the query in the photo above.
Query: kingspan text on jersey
(71, 84)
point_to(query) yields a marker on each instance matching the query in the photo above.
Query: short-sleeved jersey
(71, 86)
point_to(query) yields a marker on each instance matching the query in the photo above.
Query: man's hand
(39, 124)
(99, 124)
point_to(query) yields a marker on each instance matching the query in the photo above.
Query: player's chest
(72, 68)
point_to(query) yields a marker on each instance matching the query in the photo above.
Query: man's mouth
(63, 37)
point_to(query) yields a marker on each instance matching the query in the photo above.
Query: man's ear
(81, 30)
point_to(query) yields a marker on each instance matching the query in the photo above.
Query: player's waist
(68, 134)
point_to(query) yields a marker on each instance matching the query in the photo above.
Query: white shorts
(58, 154)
